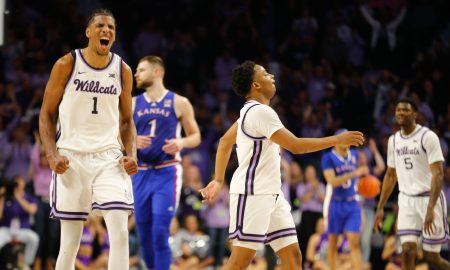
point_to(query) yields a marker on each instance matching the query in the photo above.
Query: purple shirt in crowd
(42, 174)
(217, 215)
(313, 205)
(13, 210)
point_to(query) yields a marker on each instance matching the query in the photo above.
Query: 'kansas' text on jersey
(158, 120)
(342, 165)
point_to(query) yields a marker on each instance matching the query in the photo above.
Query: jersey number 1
(152, 128)
(94, 111)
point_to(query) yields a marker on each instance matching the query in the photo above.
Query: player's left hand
(428, 225)
(129, 164)
(172, 146)
(210, 191)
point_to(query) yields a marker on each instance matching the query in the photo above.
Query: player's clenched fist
(58, 163)
(129, 164)
(352, 138)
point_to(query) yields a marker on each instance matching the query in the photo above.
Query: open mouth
(104, 42)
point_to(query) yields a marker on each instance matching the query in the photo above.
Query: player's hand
(428, 225)
(59, 164)
(129, 164)
(378, 220)
(362, 170)
(210, 191)
(351, 138)
(143, 142)
(173, 146)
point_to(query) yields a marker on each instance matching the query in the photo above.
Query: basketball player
(86, 110)
(259, 212)
(341, 171)
(415, 161)
(158, 113)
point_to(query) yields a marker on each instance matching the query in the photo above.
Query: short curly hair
(99, 12)
(242, 78)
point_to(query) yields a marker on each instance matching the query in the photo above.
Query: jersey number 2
(94, 111)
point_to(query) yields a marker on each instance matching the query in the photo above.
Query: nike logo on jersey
(82, 72)
(112, 75)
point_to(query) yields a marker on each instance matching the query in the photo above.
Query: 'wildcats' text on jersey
(411, 157)
(93, 93)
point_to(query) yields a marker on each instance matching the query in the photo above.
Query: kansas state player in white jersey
(259, 212)
(415, 161)
(85, 112)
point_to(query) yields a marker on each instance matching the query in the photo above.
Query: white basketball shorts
(93, 182)
(261, 219)
(411, 218)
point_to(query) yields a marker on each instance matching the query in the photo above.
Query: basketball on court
(369, 186)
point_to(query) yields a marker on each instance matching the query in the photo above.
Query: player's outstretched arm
(295, 145)
(389, 182)
(226, 143)
(127, 128)
(49, 111)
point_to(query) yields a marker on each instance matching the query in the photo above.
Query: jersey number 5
(408, 163)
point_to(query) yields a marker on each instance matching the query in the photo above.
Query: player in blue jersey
(340, 169)
(158, 113)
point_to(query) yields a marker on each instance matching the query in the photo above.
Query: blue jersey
(342, 165)
(158, 120)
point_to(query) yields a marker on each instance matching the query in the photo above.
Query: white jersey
(89, 109)
(259, 158)
(411, 157)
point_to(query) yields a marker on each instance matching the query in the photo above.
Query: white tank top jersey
(411, 157)
(89, 109)
(259, 158)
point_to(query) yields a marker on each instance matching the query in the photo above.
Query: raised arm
(127, 128)
(295, 145)
(49, 112)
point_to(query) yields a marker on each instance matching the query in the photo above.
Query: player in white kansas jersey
(415, 162)
(86, 110)
(259, 212)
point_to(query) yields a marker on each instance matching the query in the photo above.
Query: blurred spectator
(16, 211)
(192, 246)
(94, 245)
(311, 194)
(190, 199)
(370, 157)
(217, 220)
(46, 228)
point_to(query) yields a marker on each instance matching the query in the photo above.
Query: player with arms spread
(415, 161)
(85, 112)
(259, 212)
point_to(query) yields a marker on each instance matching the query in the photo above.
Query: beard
(144, 84)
